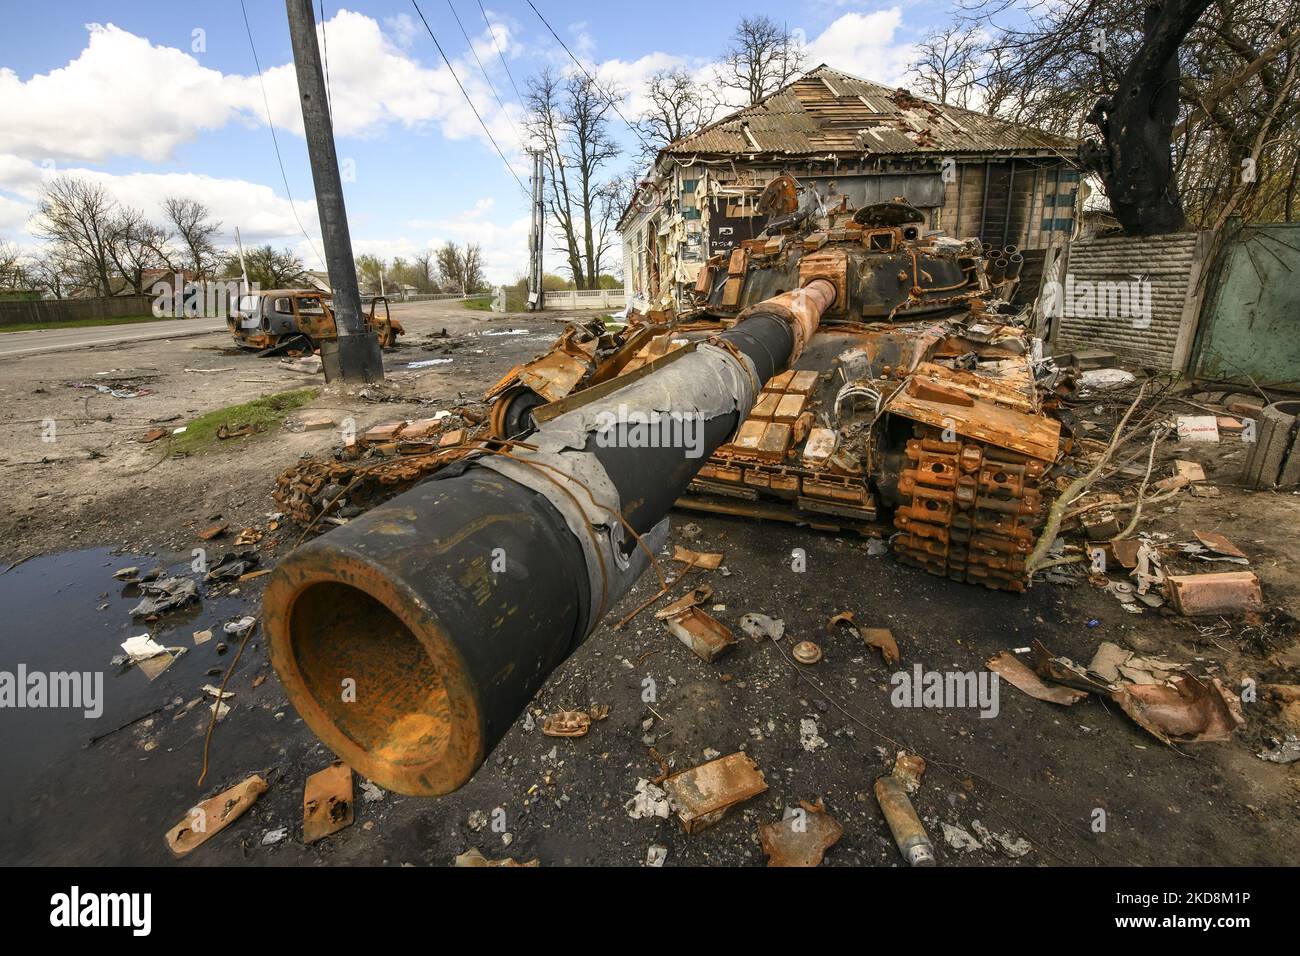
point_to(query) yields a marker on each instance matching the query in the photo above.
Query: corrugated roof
(828, 111)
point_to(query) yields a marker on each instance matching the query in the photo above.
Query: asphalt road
(18, 344)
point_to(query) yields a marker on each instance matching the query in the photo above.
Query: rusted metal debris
(213, 815)
(905, 826)
(1007, 666)
(806, 652)
(376, 465)
(701, 796)
(707, 637)
(473, 857)
(1226, 592)
(327, 803)
(1190, 710)
(705, 561)
(566, 723)
(801, 838)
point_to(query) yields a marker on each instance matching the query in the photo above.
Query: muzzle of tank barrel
(412, 637)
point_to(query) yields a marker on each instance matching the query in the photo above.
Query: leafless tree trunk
(569, 118)
(195, 230)
(1137, 120)
(947, 64)
(80, 216)
(761, 57)
(678, 107)
(133, 247)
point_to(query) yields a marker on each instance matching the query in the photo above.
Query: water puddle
(65, 614)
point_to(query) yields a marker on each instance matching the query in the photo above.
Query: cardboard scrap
(1199, 428)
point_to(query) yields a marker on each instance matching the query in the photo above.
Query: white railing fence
(574, 299)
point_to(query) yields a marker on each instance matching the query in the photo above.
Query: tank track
(969, 510)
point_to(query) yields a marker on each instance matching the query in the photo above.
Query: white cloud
(121, 96)
(260, 214)
(124, 96)
(865, 45)
(505, 245)
(13, 216)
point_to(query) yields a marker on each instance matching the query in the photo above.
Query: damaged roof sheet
(828, 111)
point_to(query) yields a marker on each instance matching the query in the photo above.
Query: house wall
(1029, 203)
(708, 208)
(1172, 265)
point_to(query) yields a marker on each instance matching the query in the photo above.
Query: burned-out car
(298, 320)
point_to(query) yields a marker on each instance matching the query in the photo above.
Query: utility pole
(354, 356)
(536, 232)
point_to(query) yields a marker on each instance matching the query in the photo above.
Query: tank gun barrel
(412, 637)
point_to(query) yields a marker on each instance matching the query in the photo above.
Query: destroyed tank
(912, 413)
(847, 370)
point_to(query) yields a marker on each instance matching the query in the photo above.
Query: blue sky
(162, 98)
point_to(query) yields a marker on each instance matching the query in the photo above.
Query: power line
(325, 54)
(293, 207)
(609, 98)
(470, 44)
(472, 107)
(498, 49)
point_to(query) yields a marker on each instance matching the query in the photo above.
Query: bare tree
(81, 217)
(13, 266)
(49, 272)
(946, 67)
(196, 231)
(268, 267)
(133, 247)
(678, 107)
(1216, 80)
(369, 269)
(761, 57)
(460, 268)
(569, 119)
(425, 273)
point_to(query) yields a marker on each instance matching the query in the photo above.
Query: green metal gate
(1252, 331)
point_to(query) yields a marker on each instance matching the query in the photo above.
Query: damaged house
(851, 140)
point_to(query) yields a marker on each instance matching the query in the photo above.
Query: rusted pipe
(411, 638)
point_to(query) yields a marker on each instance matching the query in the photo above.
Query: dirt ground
(1035, 771)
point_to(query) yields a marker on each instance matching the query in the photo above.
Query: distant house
(319, 281)
(149, 278)
(971, 174)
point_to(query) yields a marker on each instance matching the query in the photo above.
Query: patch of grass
(268, 411)
(478, 305)
(82, 323)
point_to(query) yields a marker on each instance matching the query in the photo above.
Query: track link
(969, 510)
